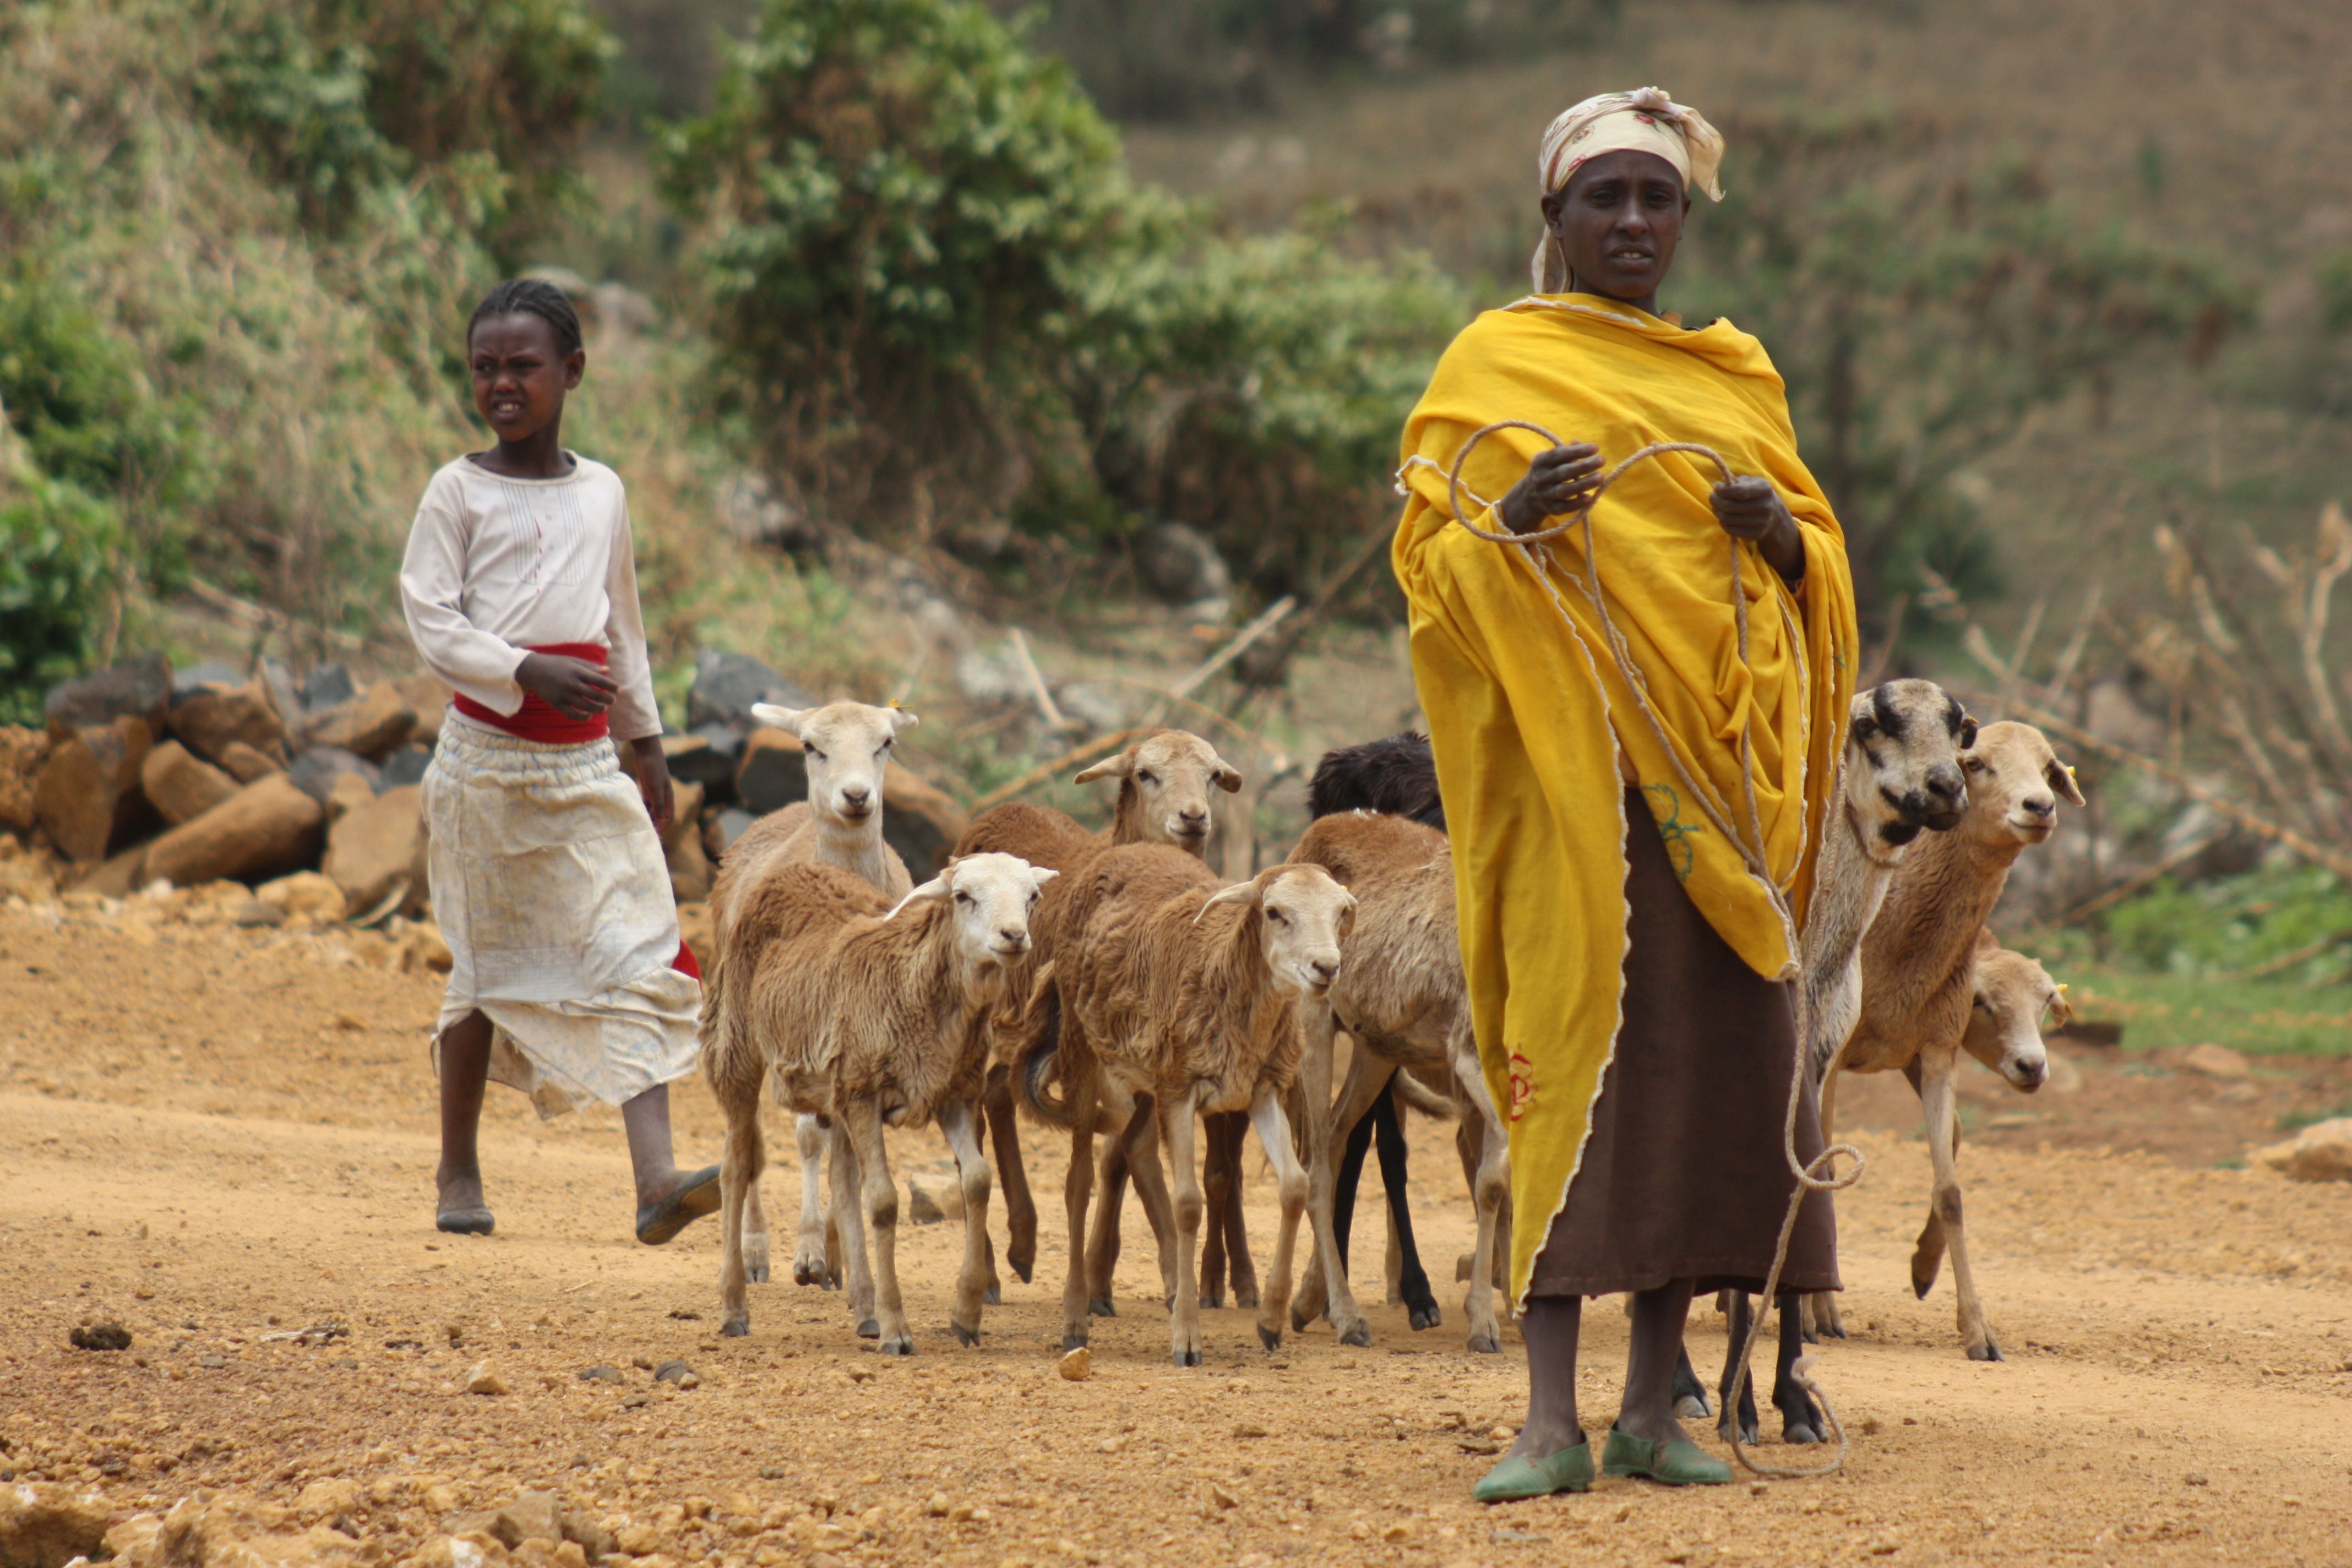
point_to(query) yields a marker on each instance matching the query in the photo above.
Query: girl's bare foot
(459, 1208)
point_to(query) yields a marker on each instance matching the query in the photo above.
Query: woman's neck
(1648, 303)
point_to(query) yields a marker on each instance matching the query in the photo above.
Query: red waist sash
(536, 719)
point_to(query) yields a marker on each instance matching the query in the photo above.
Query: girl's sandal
(696, 1197)
(1569, 1470)
(1674, 1463)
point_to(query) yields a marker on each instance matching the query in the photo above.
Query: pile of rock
(201, 775)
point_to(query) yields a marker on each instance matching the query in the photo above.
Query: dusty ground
(219, 1137)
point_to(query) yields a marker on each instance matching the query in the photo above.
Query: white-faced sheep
(1918, 962)
(867, 1016)
(845, 752)
(1167, 782)
(1179, 998)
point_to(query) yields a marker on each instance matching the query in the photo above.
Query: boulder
(179, 785)
(328, 686)
(772, 774)
(196, 676)
(376, 847)
(244, 765)
(405, 766)
(2320, 1152)
(207, 721)
(370, 725)
(22, 753)
(708, 756)
(720, 832)
(726, 684)
(88, 798)
(117, 876)
(349, 793)
(690, 866)
(317, 769)
(1182, 565)
(136, 688)
(285, 691)
(920, 822)
(264, 829)
(428, 697)
(2214, 1061)
(45, 1525)
(308, 895)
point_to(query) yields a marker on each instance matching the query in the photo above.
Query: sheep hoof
(902, 1345)
(807, 1273)
(1102, 1309)
(1985, 1351)
(1022, 1268)
(1921, 1286)
(1358, 1336)
(1747, 1433)
(966, 1337)
(1797, 1432)
(869, 1328)
(1245, 1298)
(1072, 1342)
(1485, 1344)
(1300, 1318)
(1427, 1317)
(1188, 1358)
(993, 1297)
(1214, 1299)
(1270, 1338)
(1691, 1407)
(756, 1273)
(736, 1327)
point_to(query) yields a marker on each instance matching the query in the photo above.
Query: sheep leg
(1020, 1205)
(1490, 1187)
(974, 1283)
(1102, 1249)
(1327, 1286)
(1737, 1391)
(845, 1232)
(1075, 1185)
(863, 1120)
(809, 1249)
(1799, 1421)
(1151, 1194)
(1281, 1149)
(1976, 1334)
(1411, 1280)
(1822, 1319)
(1176, 1119)
(1220, 1177)
(742, 1155)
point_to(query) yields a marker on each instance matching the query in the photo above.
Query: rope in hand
(1819, 1174)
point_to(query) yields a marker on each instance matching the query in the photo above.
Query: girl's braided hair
(541, 299)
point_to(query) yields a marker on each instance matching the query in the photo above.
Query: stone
(22, 753)
(726, 684)
(485, 1379)
(207, 721)
(2320, 1152)
(209, 672)
(257, 913)
(265, 829)
(405, 766)
(720, 832)
(678, 1372)
(930, 1199)
(244, 765)
(1182, 565)
(594, 1540)
(708, 756)
(601, 1374)
(314, 772)
(180, 784)
(1077, 1366)
(88, 798)
(773, 773)
(326, 687)
(689, 865)
(306, 895)
(45, 1525)
(117, 877)
(421, 947)
(322, 1500)
(370, 723)
(427, 696)
(2214, 1061)
(535, 1516)
(347, 795)
(374, 847)
(138, 688)
(919, 821)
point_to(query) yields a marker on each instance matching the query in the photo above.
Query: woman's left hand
(652, 768)
(1750, 509)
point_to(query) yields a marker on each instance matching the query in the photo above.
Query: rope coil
(1819, 1174)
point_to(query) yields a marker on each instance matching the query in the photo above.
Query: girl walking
(568, 981)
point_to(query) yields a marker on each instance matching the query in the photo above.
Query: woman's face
(1618, 219)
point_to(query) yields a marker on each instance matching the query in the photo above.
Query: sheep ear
(1041, 875)
(934, 891)
(1228, 777)
(2061, 779)
(775, 718)
(1118, 767)
(1248, 893)
(902, 718)
(2062, 1012)
(1968, 732)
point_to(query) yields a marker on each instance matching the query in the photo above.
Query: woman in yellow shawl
(1627, 966)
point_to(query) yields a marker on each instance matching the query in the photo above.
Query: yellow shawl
(1522, 712)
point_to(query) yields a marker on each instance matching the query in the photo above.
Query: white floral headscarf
(1642, 121)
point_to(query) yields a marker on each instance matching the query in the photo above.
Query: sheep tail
(1038, 1055)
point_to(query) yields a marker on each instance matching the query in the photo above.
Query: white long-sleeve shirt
(497, 566)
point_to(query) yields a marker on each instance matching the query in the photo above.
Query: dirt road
(219, 1137)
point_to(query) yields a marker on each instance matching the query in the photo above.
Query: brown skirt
(1684, 1176)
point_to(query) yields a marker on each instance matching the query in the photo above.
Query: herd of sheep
(1110, 986)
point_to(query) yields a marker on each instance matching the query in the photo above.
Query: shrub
(57, 565)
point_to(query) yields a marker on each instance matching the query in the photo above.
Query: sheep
(1166, 782)
(845, 751)
(1176, 998)
(1918, 973)
(1901, 771)
(1402, 1000)
(864, 1014)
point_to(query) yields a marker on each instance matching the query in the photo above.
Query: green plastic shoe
(1674, 1463)
(1569, 1470)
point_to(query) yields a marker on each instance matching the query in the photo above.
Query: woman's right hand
(572, 686)
(1558, 481)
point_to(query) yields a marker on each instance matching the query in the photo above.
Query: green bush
(57, 565)
(2233, 924)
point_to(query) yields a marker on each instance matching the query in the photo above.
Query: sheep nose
(2041, 805)
(1014, 937)
(1326, 969)
(1944, 782)
(856, 796)
(1195, 819)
